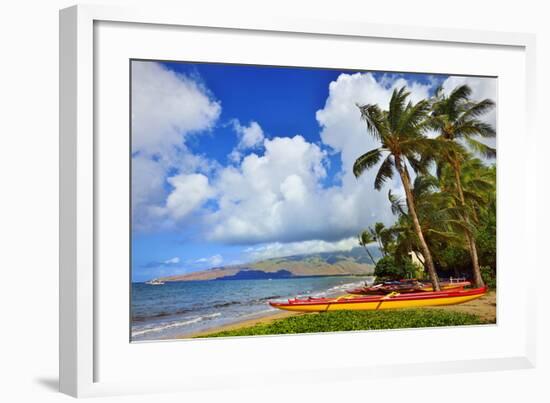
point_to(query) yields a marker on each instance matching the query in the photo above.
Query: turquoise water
(182, 308)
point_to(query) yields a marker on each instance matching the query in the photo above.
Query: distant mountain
(257, 275)
(342, 263)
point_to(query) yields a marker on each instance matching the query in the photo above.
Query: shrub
(387, 268)
(489, 277)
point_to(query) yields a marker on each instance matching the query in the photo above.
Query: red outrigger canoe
(377, 302)
(407, 287)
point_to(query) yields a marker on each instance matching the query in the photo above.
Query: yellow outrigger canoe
(378, 302)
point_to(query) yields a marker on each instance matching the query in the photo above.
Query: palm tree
(365, 238)
(400, 131)
(478, 188)
(435, 217)
(455, 118)
(381, 235)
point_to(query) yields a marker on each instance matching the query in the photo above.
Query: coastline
(226, 304)
(484, 308)
(264, 319)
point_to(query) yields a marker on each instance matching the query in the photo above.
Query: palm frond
(365, 238)
(385, 172)
(445, 236)
(474, 128)
(397, 204)
(374, 117)
(423, 185)
(477, 109)
(414, 119)
(461, 225)
(458, 96)
(475, 197)
(397, 106)
(480, 148)
(366, 161)
(438, 93)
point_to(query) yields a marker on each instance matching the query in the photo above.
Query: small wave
(263, 299)
(143, 318)
(175, 324)
(224, 304)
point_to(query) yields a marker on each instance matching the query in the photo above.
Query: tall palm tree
(400, 131)
(455, 118)
(365, 238)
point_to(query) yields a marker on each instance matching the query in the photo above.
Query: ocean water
(182, 308)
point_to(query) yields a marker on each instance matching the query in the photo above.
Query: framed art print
(230, 221)
(251, 193)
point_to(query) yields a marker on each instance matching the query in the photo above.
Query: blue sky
(237, 163)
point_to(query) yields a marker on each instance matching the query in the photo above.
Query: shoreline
(257, 312)
(484, 308)
(264, 319)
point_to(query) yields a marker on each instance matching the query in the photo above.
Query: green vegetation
(489, 277)
(400, 131)
(388, 269)
(356, 320)
(447, 218)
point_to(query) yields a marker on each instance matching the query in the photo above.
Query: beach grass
(338, 321)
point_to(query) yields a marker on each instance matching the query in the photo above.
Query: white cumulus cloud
(280, 195)
(167, 107)
(276, 193)
(250, 137)
(190, 192)
(270, 196)
(278, 249)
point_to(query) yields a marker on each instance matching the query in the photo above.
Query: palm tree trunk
(380, 246)
(478, 280)
(368, 253)
(416, 223)
(420, 260)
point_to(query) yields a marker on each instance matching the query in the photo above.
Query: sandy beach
(484, 307)
(246, 323)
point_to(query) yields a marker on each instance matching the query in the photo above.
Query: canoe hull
(449, 286)
(381, 303)
(382, 291)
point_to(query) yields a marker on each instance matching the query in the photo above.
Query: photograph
(278, 200)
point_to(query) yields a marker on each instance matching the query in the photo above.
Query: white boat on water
(155, 281)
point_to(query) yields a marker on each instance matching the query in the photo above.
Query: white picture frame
(79, 188)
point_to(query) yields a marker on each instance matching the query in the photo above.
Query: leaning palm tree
(382, 236)
(455, 118)
(400, 131)
(365, 238)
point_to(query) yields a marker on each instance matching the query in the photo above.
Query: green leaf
(366, 161)
(384, 173)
